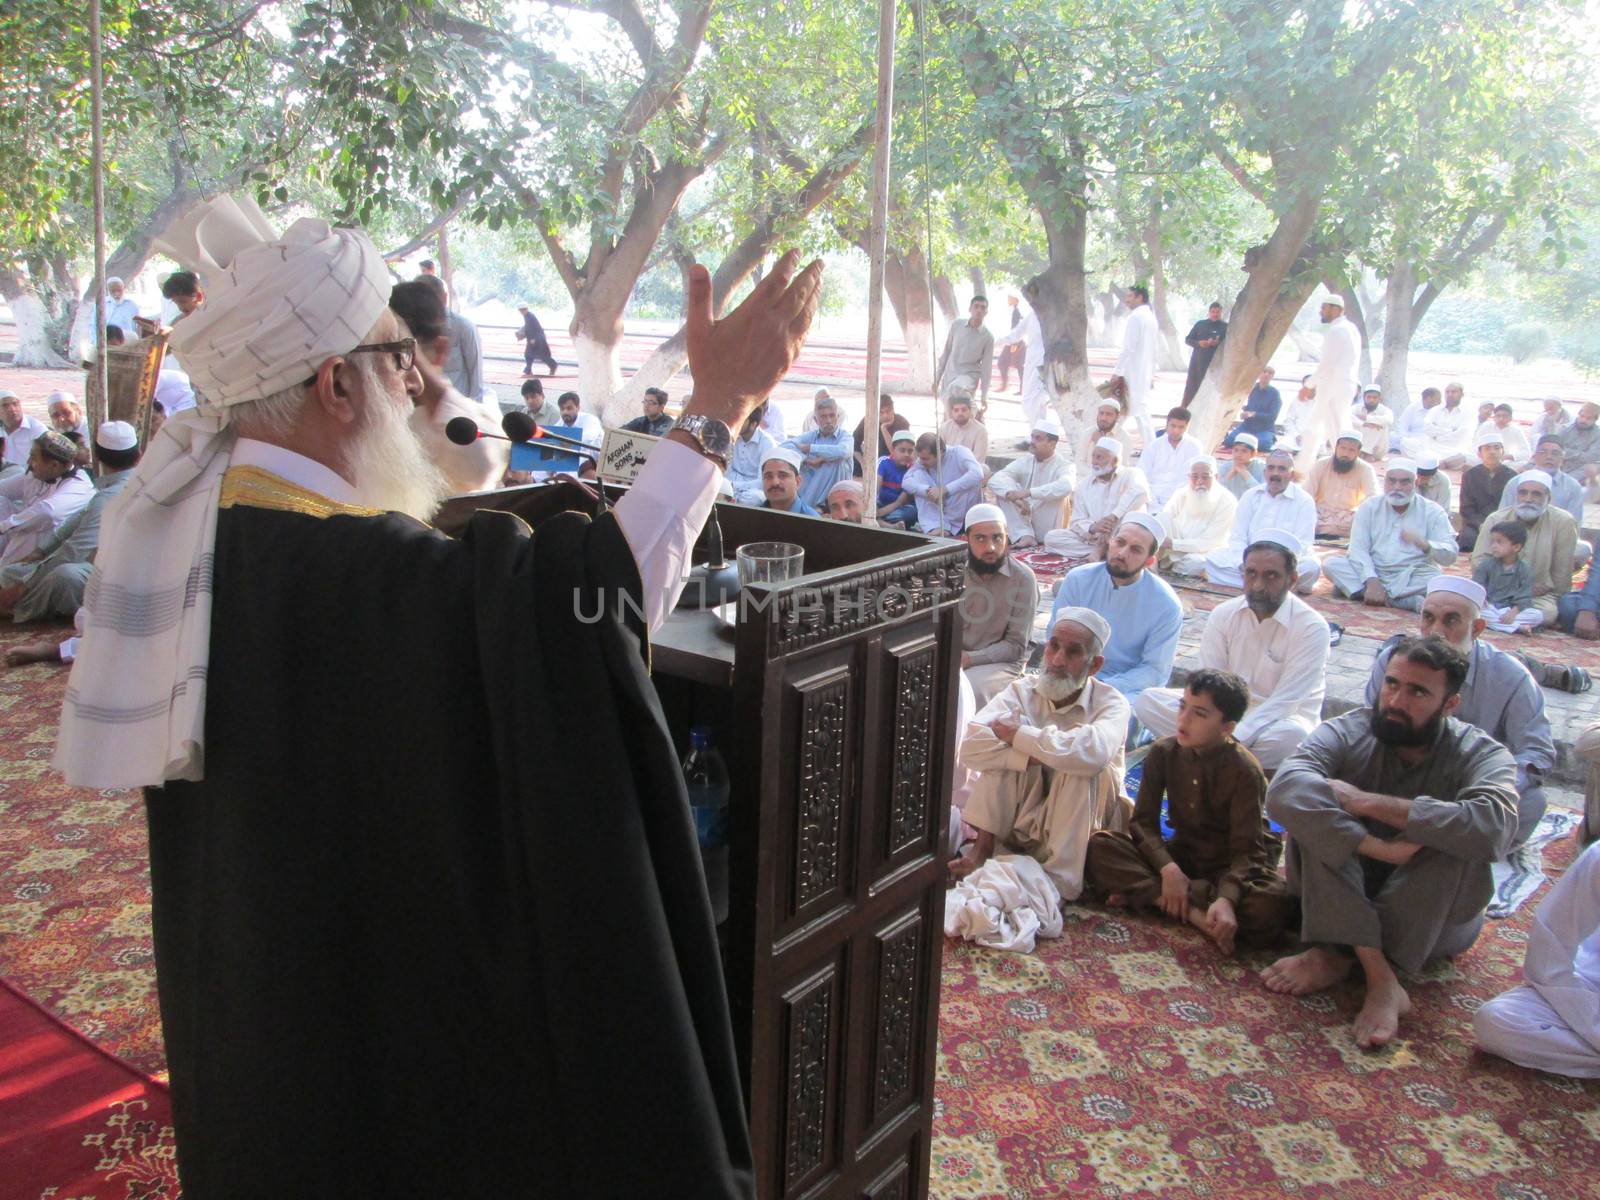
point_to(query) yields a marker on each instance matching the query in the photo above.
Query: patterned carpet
(1125, 1059)
(1129, 1059)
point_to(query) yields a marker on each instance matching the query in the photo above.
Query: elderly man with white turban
(1398, 542)
(1033, 488)
(1098, 506)
(1198, 518)
(1049, 754)
(998, 604)
(1500, 697)
(1552, 539)
(361, 881)
(1275, 504)
(1271, 639)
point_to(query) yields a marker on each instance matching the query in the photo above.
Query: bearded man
(997, 605)
(1551, 548)
(362, 880)
(1049, 752)
(1395, 815)
(1198, 519)
(1340, 484)
(1398, 542)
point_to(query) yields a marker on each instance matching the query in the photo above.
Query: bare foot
(1200, 918)
(34, 652)
(1309, 971)
(1379, 1018)
(1116, 900)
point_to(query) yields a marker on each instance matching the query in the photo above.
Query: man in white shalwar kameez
(1032, 489)
(1445, 430)
(1551, 1022)
(1049, 754)
(1334, 381)
(1198, 518)
(1165, 461)
(1275, 504)
(1136, 365)
(1035, 392)
(1398, 542)
(1098, 506)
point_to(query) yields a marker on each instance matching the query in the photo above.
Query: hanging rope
(921, 14)
(98, 411)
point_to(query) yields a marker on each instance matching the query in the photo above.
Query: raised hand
(738, 360)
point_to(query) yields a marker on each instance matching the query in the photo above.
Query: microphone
(519, 428)
(463, 431)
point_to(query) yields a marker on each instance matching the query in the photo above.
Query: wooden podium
(833, 700)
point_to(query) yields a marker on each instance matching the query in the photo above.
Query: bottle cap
(700, 737)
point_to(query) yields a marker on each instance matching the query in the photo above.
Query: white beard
(391, 469)
(1057, 688)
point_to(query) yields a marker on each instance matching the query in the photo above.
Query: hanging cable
(921, 14)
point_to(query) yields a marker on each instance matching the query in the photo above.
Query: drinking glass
(770, 562)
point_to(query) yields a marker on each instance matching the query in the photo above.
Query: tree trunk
(905, 282)
(597, 337)
(33, 339)
(1150, 262)
(945, 293)
(1277, 285)
(975, 274)
(1398, 327)
(1060, 296)
(447, 269)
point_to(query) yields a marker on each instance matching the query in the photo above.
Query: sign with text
(623, 454)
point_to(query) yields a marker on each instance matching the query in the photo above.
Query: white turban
(1110, 445)
(276, 307)
(1533, 475)
(978, 514)
(1403, 465)
(1088, 618)
(785, 455)
(1468, 588)
(1048, 427)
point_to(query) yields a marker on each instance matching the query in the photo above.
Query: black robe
(434, 923)
(1200, 356)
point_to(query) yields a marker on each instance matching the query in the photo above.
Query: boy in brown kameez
(1219, 871)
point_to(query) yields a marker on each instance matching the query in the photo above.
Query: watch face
(715, 437)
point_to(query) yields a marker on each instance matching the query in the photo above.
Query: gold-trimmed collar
(254, 487)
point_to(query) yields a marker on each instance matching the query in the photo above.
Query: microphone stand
(715, 581)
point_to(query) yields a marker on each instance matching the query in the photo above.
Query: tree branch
(427, 234)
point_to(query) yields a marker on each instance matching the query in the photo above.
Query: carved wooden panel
(810, 1013)
(830, 611)
(894, 1184)
(899, 955)
(912, 765)
(824, 716)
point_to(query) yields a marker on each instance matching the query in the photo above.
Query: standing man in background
(968, 356)
(1333, 383)
(1204, 339)
(535, 346)
(1136, 366)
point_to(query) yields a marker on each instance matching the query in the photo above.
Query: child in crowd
(1507, 580)
(1219, 870)
(896, 506)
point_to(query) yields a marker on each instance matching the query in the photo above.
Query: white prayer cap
(1489, 437)
(1204, 460)
(1148, 520)
(1370, 389)
(110, 279)
(1110, 403)
(1331, 298)
(1468, 588)
(1427, 462)
(116, 435)
(1284, 538)
(852, 486)
(980, 514)
(1281, 452)
(55, 396)
(1247, 439)
(1110, 445)
(1533, 475)
(1400, 464)
(1088, 618)
(1348, 435)
(902, 435)
(7, 394)
(822, 394)
(522, 308)
(277, 305)
(1046, 426)
(785, 455)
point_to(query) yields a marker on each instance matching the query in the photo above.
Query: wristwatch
(711, 435)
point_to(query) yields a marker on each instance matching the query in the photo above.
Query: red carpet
(75, 1123)
(1128, 1059)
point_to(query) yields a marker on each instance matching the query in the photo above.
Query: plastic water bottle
(707, 778)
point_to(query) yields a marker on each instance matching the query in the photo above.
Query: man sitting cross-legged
(1198, 517)
(1275, 504)
(1398, 542)
(1111, 492)
(1340, 484)
(1394, 815)
(1220, 870)
(1048, 750)
(1033, 487)
(1273, 640)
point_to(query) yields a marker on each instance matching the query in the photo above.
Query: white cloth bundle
(1005, 904)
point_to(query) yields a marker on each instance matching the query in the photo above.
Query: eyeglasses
(404, 351)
